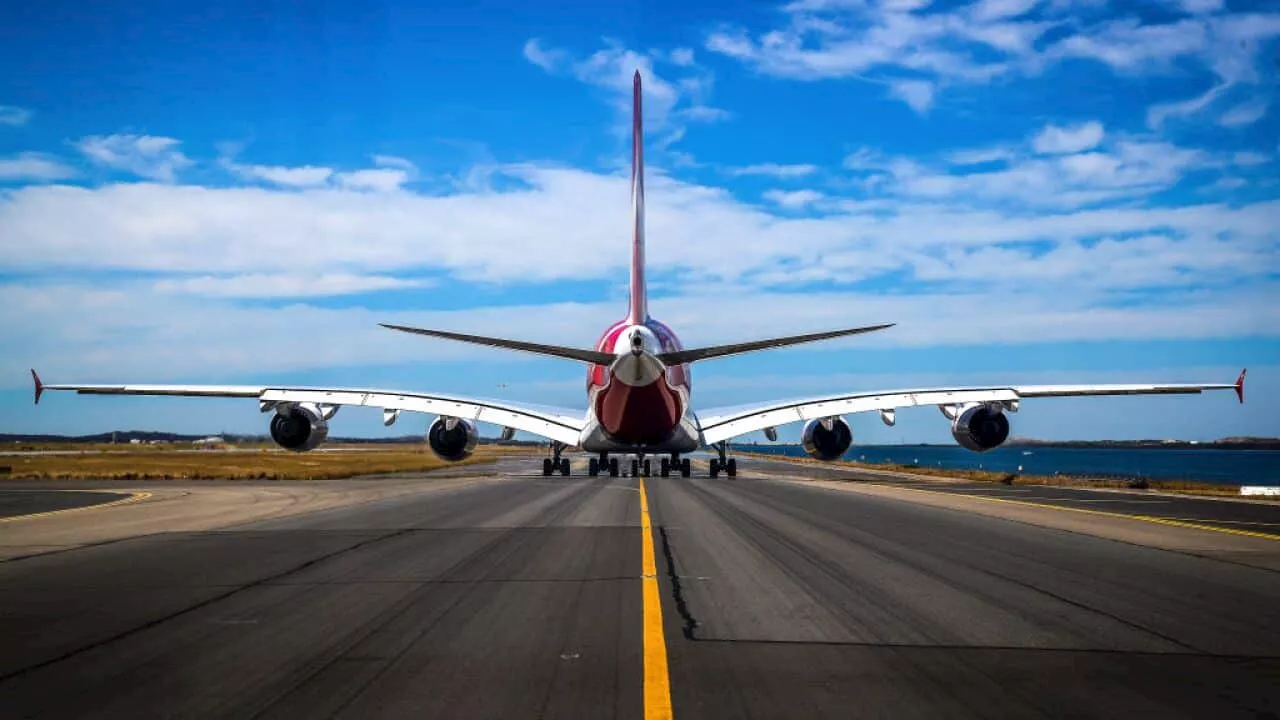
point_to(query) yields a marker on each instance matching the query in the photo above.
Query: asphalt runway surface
(521, 596)
(16, 503)
(1248, 514)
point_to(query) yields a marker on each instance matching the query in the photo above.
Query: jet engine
(980, 427)
(299, 427)
(452, 439)
(827, 438)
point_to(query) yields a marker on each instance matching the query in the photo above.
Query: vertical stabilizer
(638, 312)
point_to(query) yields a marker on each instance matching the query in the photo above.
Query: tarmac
(788, 592)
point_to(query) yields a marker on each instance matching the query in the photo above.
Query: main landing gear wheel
(593, 467)
(648, 468)
(635, 468)
(613, 467)
(727, 466)
(555, 463)
(684, 467)
(664, 467)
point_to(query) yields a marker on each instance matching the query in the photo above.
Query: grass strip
(239, 464)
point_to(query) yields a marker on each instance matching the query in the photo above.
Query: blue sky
(1034, 190)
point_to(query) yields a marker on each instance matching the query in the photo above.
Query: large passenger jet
(639, 394)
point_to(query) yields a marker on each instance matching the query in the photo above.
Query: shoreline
(1139, 485)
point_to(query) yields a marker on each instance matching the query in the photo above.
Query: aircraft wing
(719, 424)
(560, 424)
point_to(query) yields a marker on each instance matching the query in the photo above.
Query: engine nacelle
(980, 427)
(452, 439)
(826, 443)
(299, 426)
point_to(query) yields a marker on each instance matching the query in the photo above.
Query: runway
(512, 595)
(21, 503)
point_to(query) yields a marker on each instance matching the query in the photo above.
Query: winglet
(39, 385)
(1240, 385)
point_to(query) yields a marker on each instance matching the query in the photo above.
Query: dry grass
(1185, 487)
(254, 464)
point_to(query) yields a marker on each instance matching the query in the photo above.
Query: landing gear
(674, 464)
(635, 468)
(555, 463)
(728, 465)
(648, 468)
(602, 464)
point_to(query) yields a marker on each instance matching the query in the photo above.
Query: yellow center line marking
(1065, 508)
(657, 682)
(132, 498)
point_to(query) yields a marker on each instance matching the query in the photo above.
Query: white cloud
(949, 46)
(1158, 113)
(1246, 113)
(775, 170)
(681, 56)
(145, 155)
(70, 331)
(1227, 183)
(1229, 45)
(793, 199)
(1197, 7)
(305, 176)
(1128, 169)
(918, 94)
(1054, 140)
(380, 179)
(697, 233)
(33, 166)
(549, 60)
(670, 100)
(1248, 158)
(13, 115)
(261, 285)
(999, 9)
(980, 156)
(393, 161)
(848, 39)
(390, 172)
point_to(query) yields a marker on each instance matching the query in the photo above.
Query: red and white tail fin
(638, 312)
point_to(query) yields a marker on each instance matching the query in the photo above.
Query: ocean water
(1230, 467)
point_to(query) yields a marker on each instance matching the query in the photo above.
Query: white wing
(723, 423)
(558, 424)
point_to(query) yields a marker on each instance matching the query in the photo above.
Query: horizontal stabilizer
(680, 357)
(588, 356)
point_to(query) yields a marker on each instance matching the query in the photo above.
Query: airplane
(639, 393)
